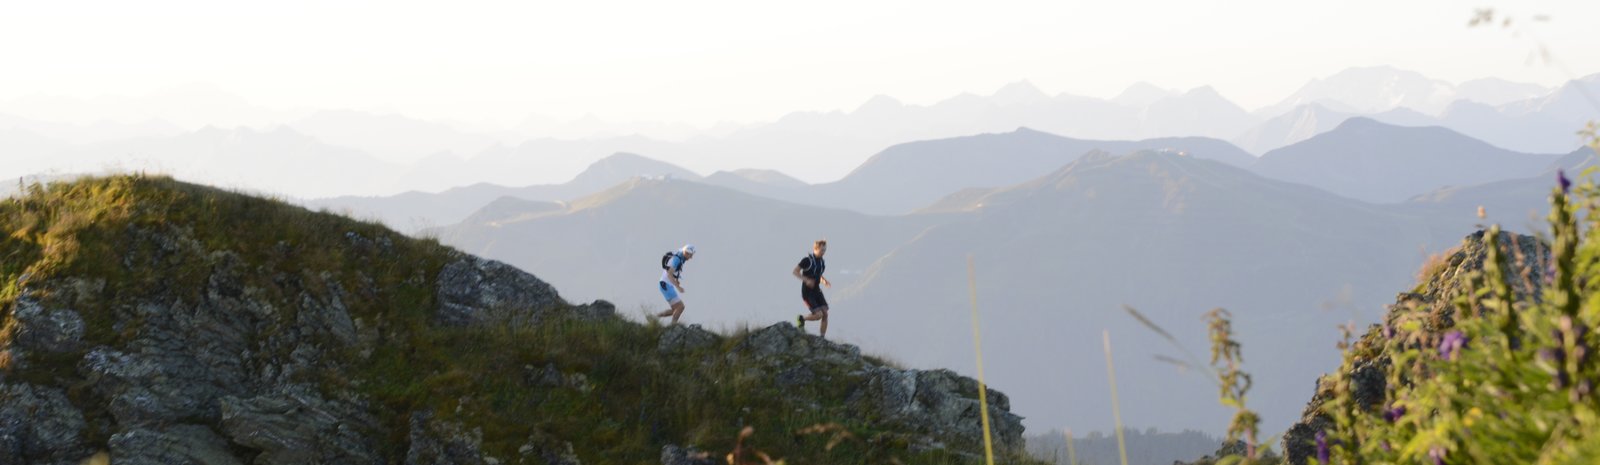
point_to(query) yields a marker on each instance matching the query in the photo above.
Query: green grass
(97, 230)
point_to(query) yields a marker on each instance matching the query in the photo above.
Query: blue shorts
(669, 292)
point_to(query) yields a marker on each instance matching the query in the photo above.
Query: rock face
(39, 425)
(940, 403)
(1442, 282)
(475, 291)
(223, 374)
(937, 408)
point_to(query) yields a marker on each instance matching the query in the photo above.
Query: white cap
(689, 249)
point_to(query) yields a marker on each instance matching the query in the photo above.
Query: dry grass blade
(1193, 361)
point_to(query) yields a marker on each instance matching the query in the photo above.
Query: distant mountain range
(1514, 116)
(898, 180)
(818, 147)
(1376, 162)
(1361, 159)
(412, 211)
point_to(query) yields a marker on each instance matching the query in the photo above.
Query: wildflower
(1561, 178)
(1388, 331)
(1437, 454)
(1451, 344)
(1394, 413)
(1553, 355)
(1322, 447)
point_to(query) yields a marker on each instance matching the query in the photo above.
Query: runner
(671, 271)
(811, 281)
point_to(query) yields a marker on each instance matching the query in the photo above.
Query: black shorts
(813, 297)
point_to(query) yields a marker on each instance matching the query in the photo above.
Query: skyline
(707, 63)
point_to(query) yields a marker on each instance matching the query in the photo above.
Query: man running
(672, 267)
(810, 273)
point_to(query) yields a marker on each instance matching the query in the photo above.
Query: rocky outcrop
(435, 441)
(939, 404)
(297, 425)
(685, 338)
(935, 409)
(1442, 281)
(473, 290)
(219, 375)
(174, 445)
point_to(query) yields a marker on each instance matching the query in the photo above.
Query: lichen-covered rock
(551, 377)
(436, 442)
(939, 406)
(299, 426)
(173, 445)
(47, 329)
(685, 338)
(938, 403)
(474, 291)
(39, 425)
(782, 342)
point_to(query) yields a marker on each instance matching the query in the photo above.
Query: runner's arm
(802, 276)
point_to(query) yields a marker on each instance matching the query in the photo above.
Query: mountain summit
(150, 321)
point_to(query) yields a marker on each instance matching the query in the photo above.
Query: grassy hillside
(154, 305)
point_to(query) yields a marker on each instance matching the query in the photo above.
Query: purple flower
(1451, 344)
(1561, 178)
(1437, 454)
(1322, 447)
(1394, 413)
(1388, 331)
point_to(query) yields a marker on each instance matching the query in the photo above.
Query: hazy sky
(706, 61)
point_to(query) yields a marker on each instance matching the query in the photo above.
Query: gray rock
(939, 404)
(674, 455)
(175, 445)
(685, 338)
(47, 329)
(475, 291)
(39, 425)
(151, 387)
(1299, 443)
(552, 377)
(299, 426)
(782, 343)
(794, 377)
(435, 442)
(546, 451)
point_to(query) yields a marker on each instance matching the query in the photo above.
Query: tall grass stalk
(1072, 454)
(977, 347)
(1116, 409)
